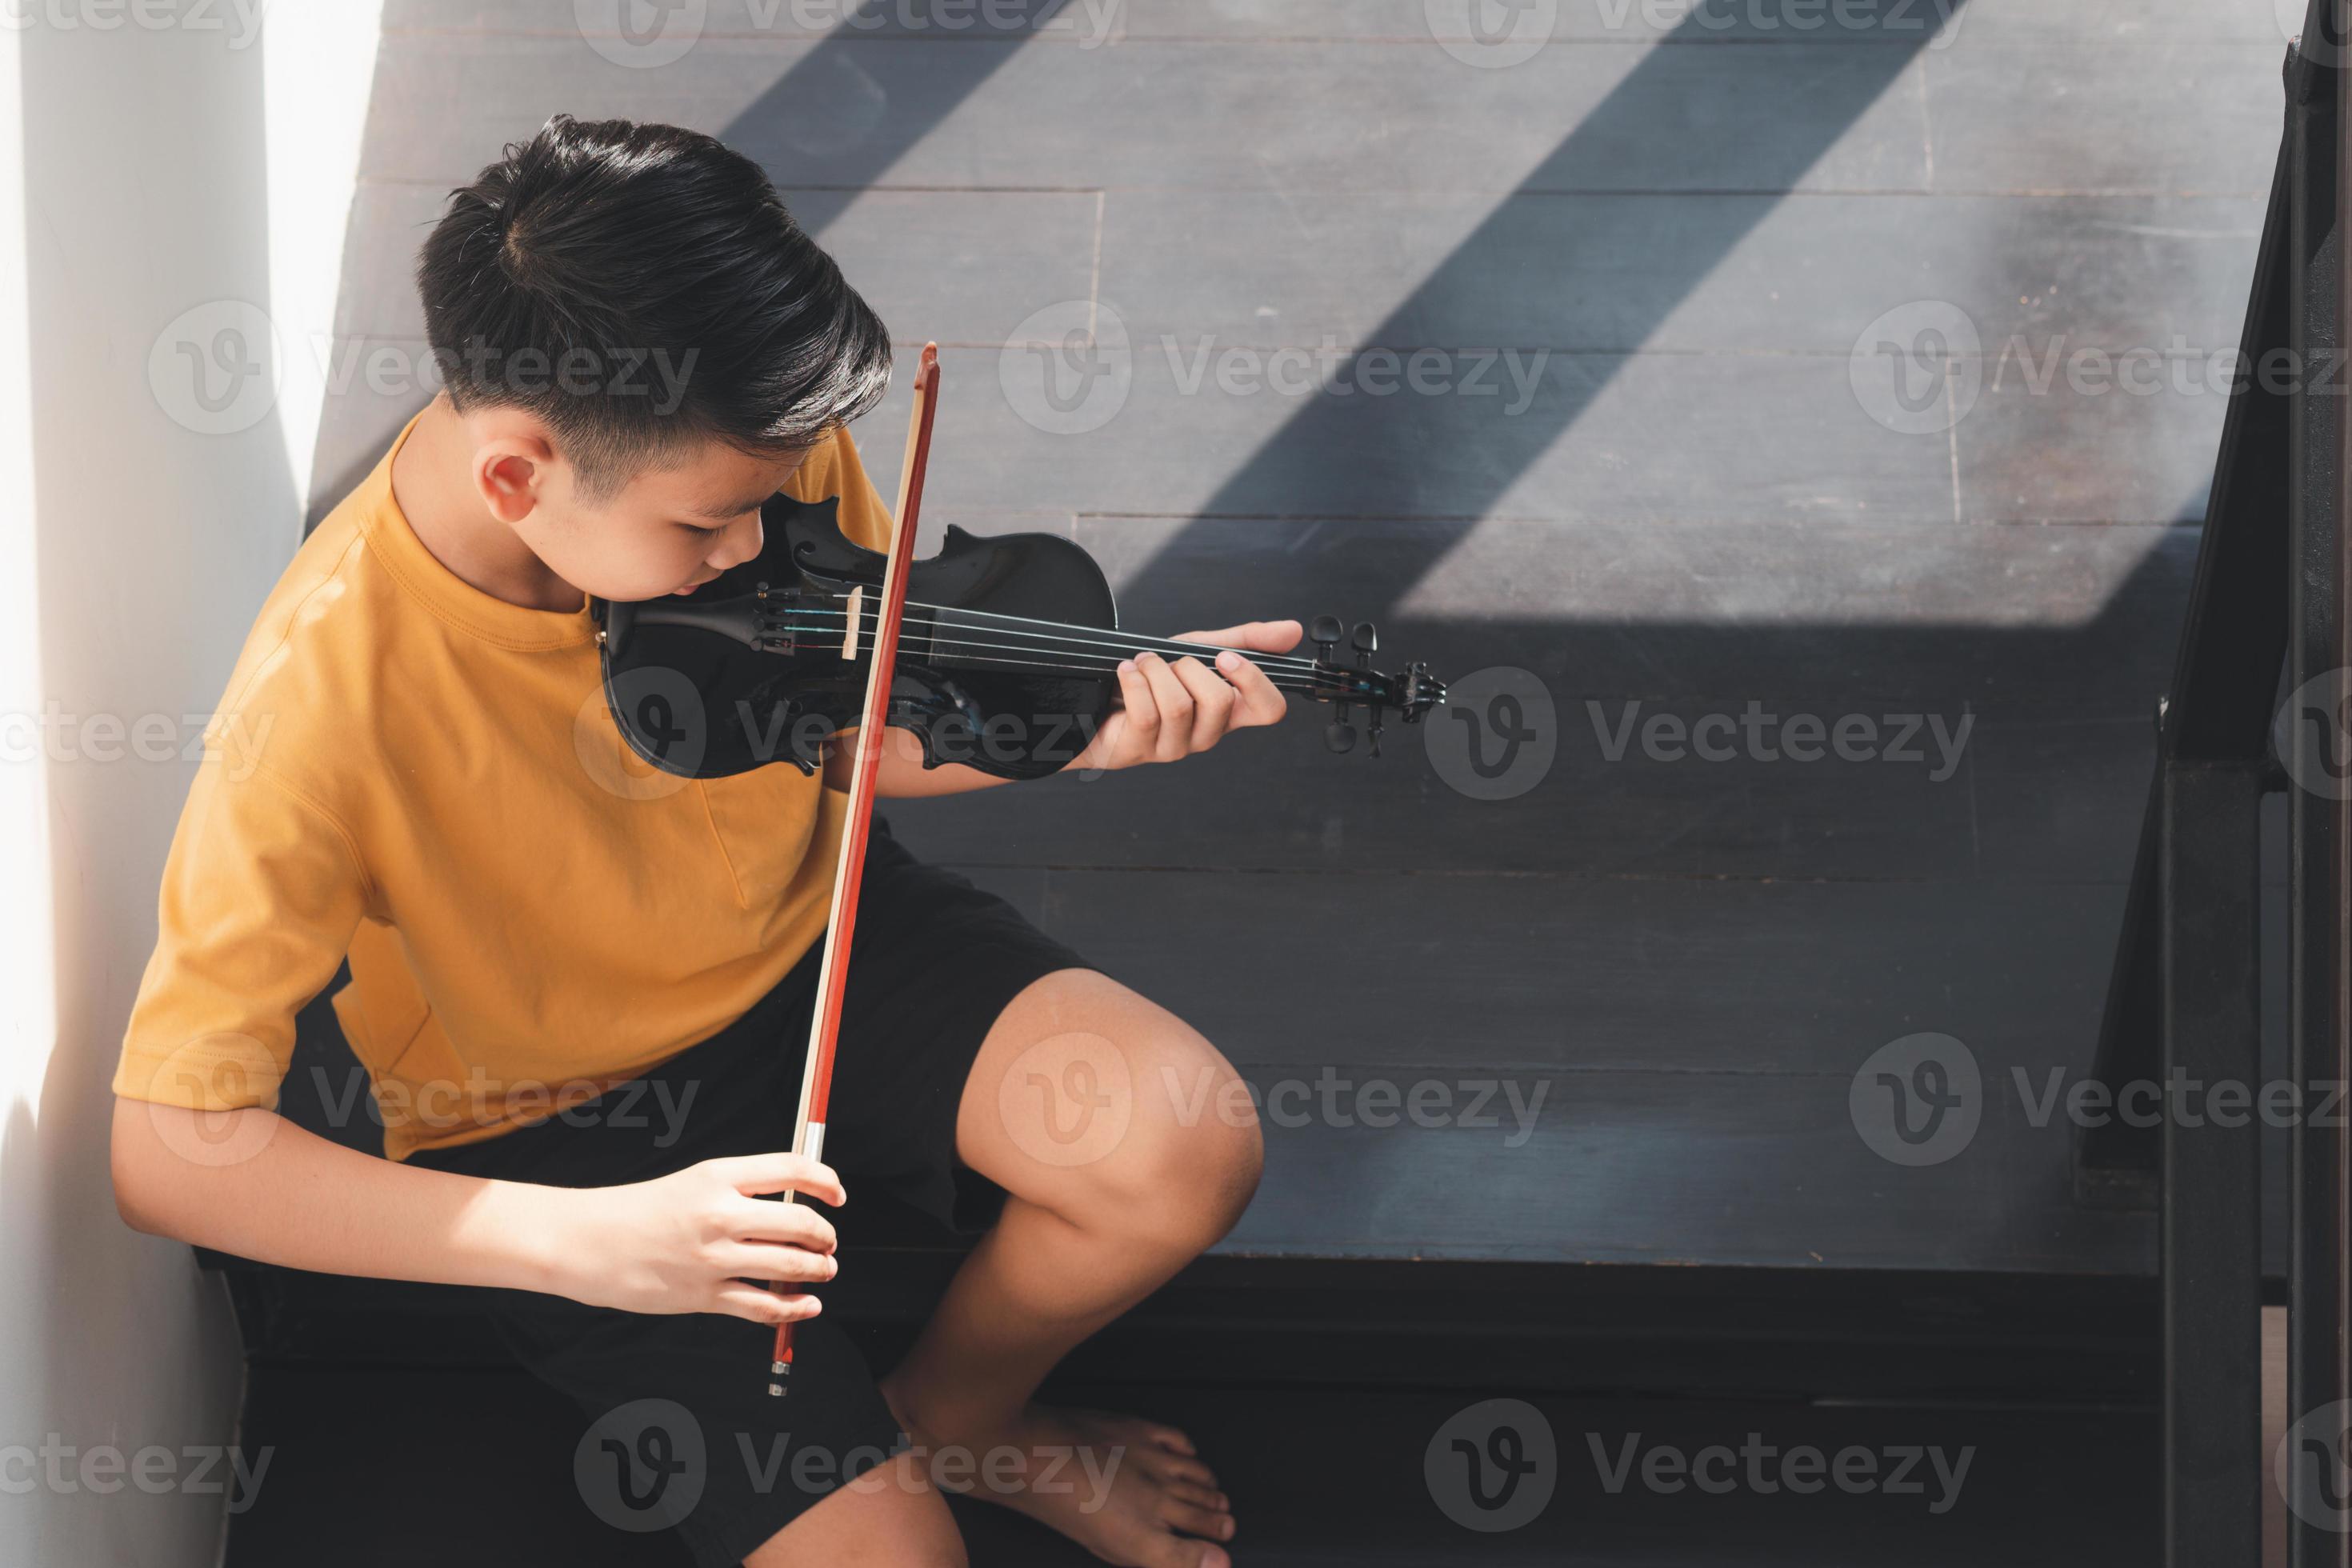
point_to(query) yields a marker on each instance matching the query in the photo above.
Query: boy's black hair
(640, 288)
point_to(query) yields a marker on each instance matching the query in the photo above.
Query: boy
(413, 768)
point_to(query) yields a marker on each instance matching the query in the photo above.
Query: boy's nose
(739, 542)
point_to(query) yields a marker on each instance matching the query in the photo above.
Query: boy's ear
(510, 471)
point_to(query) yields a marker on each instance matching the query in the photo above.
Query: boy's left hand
(1174, 709)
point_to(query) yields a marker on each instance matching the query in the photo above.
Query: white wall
(155, 160)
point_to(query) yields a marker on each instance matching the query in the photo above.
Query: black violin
(1007, 659)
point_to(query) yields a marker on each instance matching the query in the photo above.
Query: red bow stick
(833, 974)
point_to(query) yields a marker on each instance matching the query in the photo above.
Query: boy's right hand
(687, 1242)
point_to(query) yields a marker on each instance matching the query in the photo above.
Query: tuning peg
(1339, 737)
(1366, 637)
(1375, 727)
(1323, 632)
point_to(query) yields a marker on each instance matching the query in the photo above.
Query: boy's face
(666, 531)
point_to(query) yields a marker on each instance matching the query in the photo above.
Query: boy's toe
(1194, 1519)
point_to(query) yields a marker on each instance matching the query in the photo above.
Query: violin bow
(848, 872)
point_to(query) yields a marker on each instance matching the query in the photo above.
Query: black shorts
(680, 1430)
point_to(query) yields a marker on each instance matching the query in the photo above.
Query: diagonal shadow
(828, 107)
(1651, 102)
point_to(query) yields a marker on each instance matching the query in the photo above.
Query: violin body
(1007, 655)
(1016, 723)
(768, 662)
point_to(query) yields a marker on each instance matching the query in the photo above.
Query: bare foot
(1133, 1493)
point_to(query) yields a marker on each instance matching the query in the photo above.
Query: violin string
(1128, 647)
(1044, 660)
(1280, 683)
(1066, 627)
(1055, 661)
(1313, 680)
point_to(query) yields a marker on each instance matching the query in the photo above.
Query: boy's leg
(891, 1517)
(1126, 1149)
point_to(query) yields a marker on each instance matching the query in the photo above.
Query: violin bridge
(849, 633)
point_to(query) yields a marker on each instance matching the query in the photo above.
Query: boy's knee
(1187, 1168)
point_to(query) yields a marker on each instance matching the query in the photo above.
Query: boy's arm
(250, 1183)
(1167, 712)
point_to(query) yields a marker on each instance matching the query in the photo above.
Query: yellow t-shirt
(409, 771)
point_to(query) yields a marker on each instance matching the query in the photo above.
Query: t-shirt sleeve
(262, 892)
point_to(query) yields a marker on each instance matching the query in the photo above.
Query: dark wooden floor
(1337, 1477)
